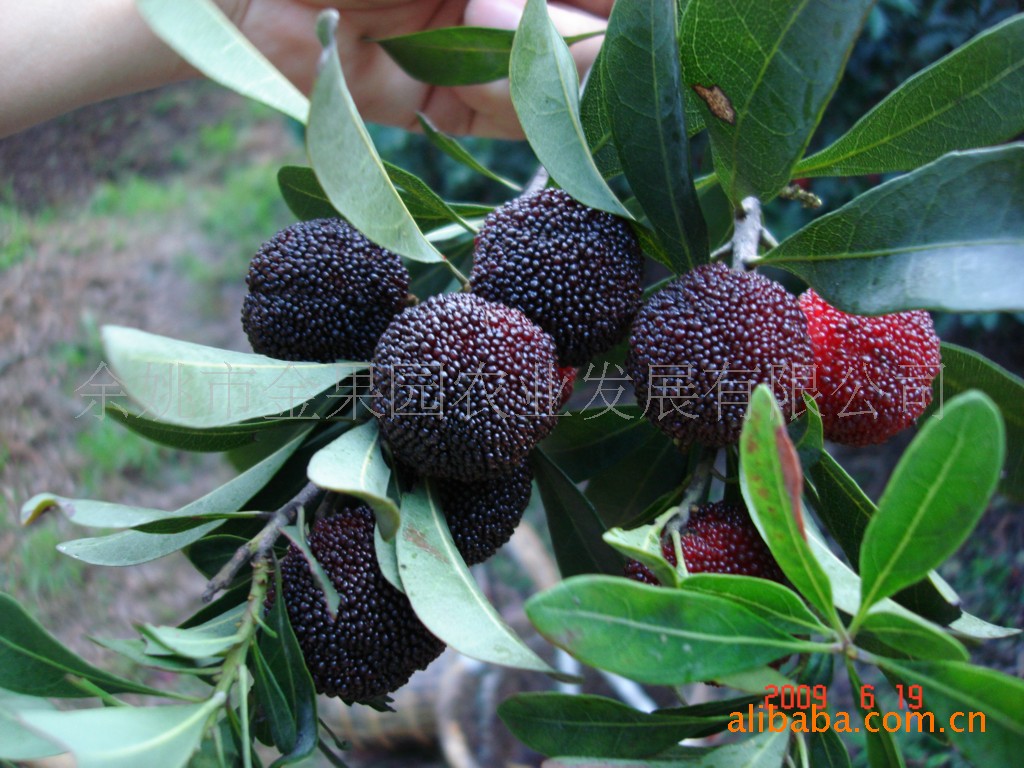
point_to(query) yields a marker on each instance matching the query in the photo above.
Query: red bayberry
(873, 375)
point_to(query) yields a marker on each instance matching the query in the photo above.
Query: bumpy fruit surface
(873, 374)
(376, 641)
(573, 270)
(718, 538)
(464, 388)
(320, 291)
(700, 345)
(483, 515)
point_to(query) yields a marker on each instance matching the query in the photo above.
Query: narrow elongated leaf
(846, 511)
(576, 529)
(135, 651)
(212, 638)
(947, 236)
(561, 724)
(16, 741)
(963, 697)
(765, 70)
(34, 663)
(972, 97)
(191, 385)
(105, 514)
(545, 94)
(826, 749)
(200, 33)
(963, 369)
(209, 440)
(770, 479)
(593, 439)
(284, 687)
(452, 55)
(773, 602)
(134, 547)
(127, 737)
(645, 108)
(354, 465)
(882, 750)
(444, 594)
(655, 635)
(303, 193)
(937, 493)
(913, 636)
(425, 205)
(459, 153)
(347, 164)
(596, 122)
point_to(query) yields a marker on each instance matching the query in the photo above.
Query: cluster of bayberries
(466, 384)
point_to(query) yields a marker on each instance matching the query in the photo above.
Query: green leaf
(622, 492)
(135, 651)
(807, 435)
(590, 440)
(882, 750)
(191, 385)
(444, 594)
(767, 68)
(210, 440)
(596, 122)
(937, 493)
(134, 547)
(127, 737)
(771, 481)
(826, 750)
(950, 687)
(846, 512)
(284, 689)
(653, 634)
(561, 724)
(576, 530)
(105, 514)
(963, 369)
(645, 107)
(425, 205)
(16, 741)
(545, 94)
(947, 236)
(347, 164)
(766, 750)
(972, 97)
(200, 33)
(913, 636)
(387, 559)
(213, 638)
(773, 602)
(457, 152)
(34, 663)
(354, 465)
(644, 545)
(303, 193)
(452, 55)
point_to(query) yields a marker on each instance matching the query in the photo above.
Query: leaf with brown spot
(771, 485)
(717, 101)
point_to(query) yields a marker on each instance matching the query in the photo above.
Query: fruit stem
(463, 280)
(746, 236)
(258, 547)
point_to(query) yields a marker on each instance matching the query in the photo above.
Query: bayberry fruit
(320, 291)
(700, 345)
(573, 270)
(873, 374)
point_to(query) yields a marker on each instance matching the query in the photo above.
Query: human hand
(284, 30)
